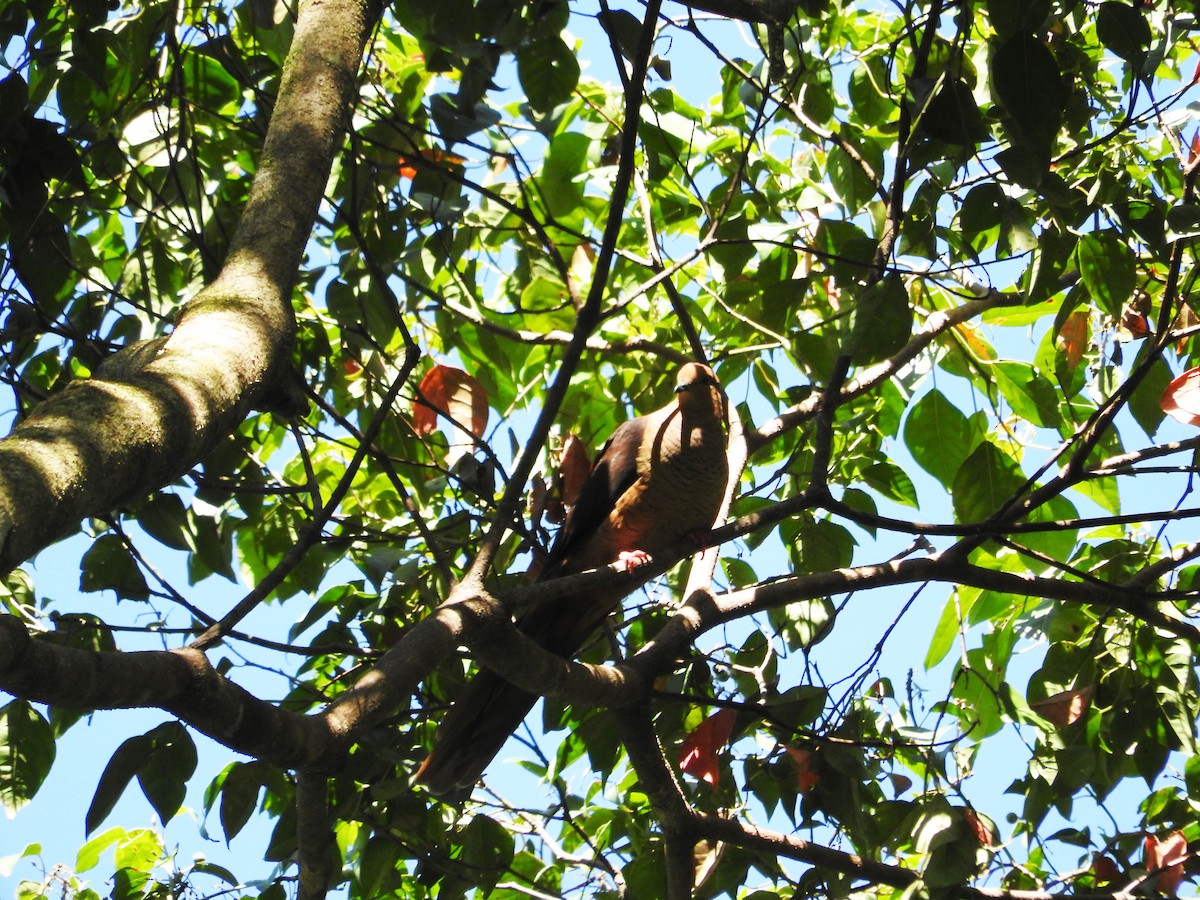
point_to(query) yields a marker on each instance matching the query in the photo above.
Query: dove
(659, 479)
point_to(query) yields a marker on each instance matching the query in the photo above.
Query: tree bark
(154, 411)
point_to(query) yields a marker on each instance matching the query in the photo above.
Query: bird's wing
(615, 471)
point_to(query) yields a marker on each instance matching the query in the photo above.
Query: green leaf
(953, 116)
(1027, 81)
(239, 796)
(1055, 543)
(561, 183)
(1183, 222)
(949, 625)
(108, 565)
(487, 849)
(125, 763)
(867, 85)
(1146, 402)
(1123, 29)
(1028, 392)
(27, 752)
(823, 545)
(548, 71)
(164, 518)
(1107, 268)
(849, 180)
(1010, 17)
(164, 773)
(88, 856)
(939, 436)
(456, 123)
(805, 623)
(893, 482)
(623, 28)
(883, 321)
(985, 482)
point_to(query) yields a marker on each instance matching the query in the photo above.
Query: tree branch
(180, 682)
(156, 409)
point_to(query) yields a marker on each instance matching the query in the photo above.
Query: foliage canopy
(942, 257)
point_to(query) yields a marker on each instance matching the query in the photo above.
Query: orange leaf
(1166, 858)
(573, 468)
(453, 393)
(699, 751)
(1065, 707)
(408, 167)
(1072, 337)
(1181, 399)
(805, 763)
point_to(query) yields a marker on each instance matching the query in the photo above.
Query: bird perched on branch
(660, 478)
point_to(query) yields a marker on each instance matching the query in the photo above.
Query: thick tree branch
(152, 413)
(180, 682)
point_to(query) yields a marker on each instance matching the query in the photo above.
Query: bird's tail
(488, 710)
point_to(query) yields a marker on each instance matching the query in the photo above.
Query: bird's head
(698, 391)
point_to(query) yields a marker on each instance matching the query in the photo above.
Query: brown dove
(660, 478)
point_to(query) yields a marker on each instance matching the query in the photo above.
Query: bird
(659, 479)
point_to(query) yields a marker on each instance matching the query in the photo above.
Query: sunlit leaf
(1181, 399)
(1166, 857)
(27, 751)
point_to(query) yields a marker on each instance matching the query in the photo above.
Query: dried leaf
(579, 273)
(574, 466)
(979, 828)
(805, 762)
(537, 500)
(453, 393)
(1166, 857)
(1065, 707)
(1073, 337)
(1104, 869)
(408, 168)
(1181, 399)
(699, 752)
(705, 857)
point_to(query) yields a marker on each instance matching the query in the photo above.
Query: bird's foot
(628, 560)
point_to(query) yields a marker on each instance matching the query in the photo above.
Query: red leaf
(1166, 858)
(453, 393)
(981, 830)
(699, 751)
(1135, 322)
(1181, 399)
(537, 500)
(1104, 869)
(805, 763)
(1065, 707)
(1072, 337)
(573, 468)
